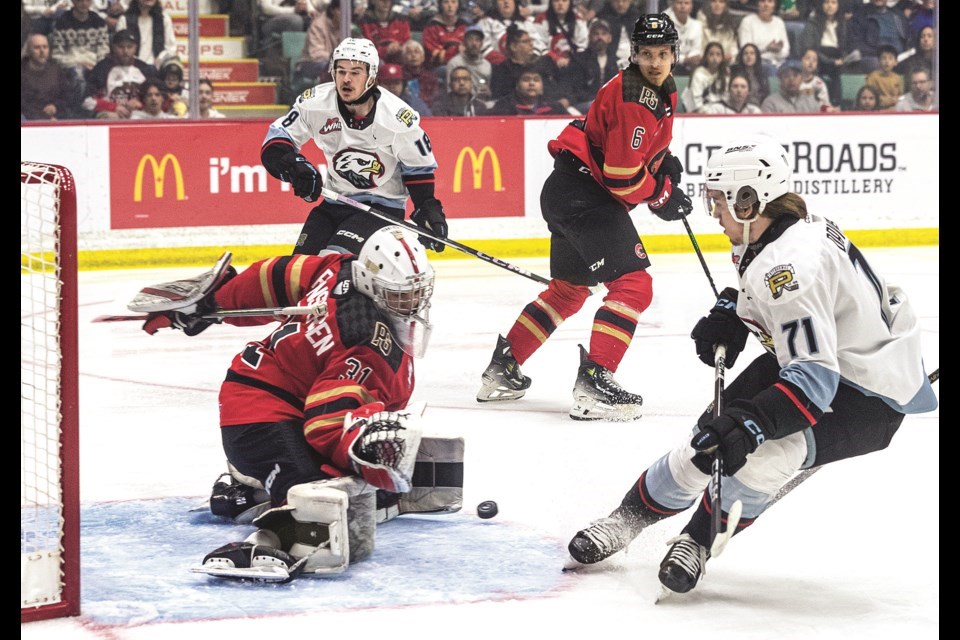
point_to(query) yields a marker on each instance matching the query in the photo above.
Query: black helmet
(653, 29)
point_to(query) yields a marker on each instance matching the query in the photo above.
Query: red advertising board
(209, 173)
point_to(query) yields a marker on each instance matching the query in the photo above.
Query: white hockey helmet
(358, 50)
(754, 170)
(392, 270)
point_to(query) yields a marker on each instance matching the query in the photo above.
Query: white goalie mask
(358, 50)
(393, 271)
(748, 172)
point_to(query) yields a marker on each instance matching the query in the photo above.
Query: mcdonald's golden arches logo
(159, 170)
(477, 161)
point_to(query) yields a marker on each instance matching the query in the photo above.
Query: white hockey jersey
(817, 304)
(366, 160)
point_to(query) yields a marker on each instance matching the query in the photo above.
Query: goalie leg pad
(437, 484)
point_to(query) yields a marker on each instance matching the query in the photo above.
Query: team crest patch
(649, 98)
(640, 251)
(331, 125)
(781, 279)
(382, 339)
(360, 168)
(408, 117)
(306, 95)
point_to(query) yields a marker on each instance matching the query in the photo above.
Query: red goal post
(49, 440)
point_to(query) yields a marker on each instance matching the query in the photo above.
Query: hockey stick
(318, 310)
(703, 263)
(719, 537)
(336, 197)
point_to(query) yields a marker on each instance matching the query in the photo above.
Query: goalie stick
(316, 310)
(336, 197)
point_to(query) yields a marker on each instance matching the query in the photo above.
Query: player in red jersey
(604, 165)
(321, 397)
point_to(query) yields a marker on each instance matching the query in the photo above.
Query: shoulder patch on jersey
(635, 88)
(306, 95)
(408, 117)
(780, 279)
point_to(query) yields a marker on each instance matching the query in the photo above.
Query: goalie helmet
(358, 50)
(655, 29)
(747, 172)
(392, 270)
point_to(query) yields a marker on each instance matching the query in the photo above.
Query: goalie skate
(258, 558)
(181, 295)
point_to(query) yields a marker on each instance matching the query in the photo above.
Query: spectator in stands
(527, 98)
(502, 15)
(520, 54)
(460, 98)
(923, 15)
(719, 25)
(826, 33)
(737, 99)
(868, 99)
(472, 58)
(151, 100)
(390, 78)
(175, 94)
(888, 83)
(789, 99)
(691, 44)
(443, 35)
(748, 63)
(323, 36)
(873, 25)
(80, 38)
(113, 83)
(924, 53)
(920, 96)
(769, 33)
(45, 89)
(44, 14)
(153, 27)
(622, 16)
(205, 93)
(813, 85)
(421, 81)
(420, 12)
(110, 11)
(563, 31)
(591, 69)
(708, 83)
(386, 28)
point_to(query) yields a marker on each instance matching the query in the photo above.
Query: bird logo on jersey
(359, 168)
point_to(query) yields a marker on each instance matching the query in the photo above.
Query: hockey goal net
(49, 444)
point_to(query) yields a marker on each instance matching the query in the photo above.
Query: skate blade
(663, 594)
(599, 411)
(498, 393)
(572, 565)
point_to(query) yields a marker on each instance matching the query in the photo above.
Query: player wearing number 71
(375, 149)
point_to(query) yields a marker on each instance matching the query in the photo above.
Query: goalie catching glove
(429, 216)
(381, 446)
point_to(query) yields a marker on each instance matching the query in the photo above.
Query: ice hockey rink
(852, 553)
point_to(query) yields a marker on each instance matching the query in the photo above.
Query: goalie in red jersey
(313, 414)
(618, 157)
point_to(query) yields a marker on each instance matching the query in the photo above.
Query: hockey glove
(300, 172)
(721, 326)
(735, 433)
(673, 204)
(189, 319)
(671, 166)
(429, 216)
(381, 446)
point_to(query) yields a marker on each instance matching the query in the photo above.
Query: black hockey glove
(736, 433)
(673, 204)
(721, 326)
(671, 166)
(300, 172)
(429, 216)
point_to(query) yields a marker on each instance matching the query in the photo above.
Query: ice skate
(604, 537)
(597, 396)
(235, 501)
(684, 564)
(502, 380)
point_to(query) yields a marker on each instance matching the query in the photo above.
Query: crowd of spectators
(109, 58)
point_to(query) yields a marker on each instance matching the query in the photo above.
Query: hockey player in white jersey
(375, 149)
(842, 367)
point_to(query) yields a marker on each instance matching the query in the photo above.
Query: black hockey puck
(487, 509)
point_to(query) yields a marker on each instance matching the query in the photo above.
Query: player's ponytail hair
(789, 204)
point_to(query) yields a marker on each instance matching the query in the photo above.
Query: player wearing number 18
(843, 365)
(375, 150)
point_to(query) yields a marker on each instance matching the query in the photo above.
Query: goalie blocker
(327, 524)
